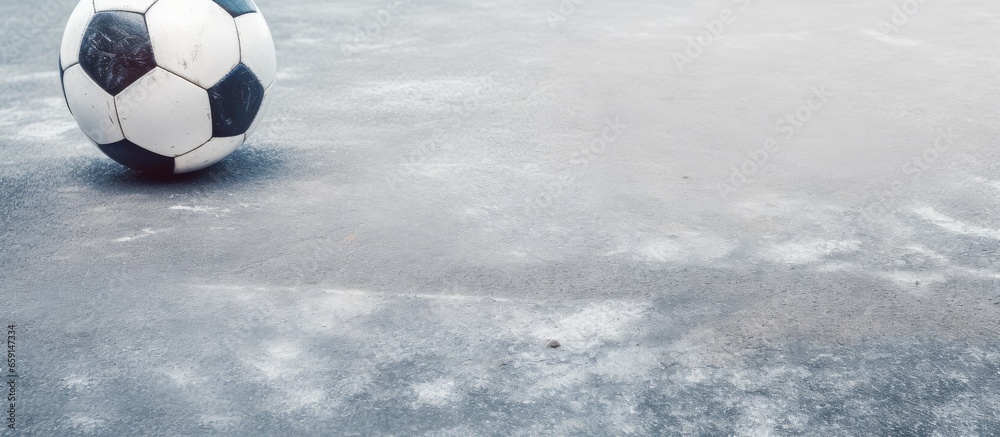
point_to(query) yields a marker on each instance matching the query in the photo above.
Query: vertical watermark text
(11, 376)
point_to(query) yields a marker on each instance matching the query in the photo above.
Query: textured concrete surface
(442, 187)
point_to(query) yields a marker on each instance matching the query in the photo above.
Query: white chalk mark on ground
(205, 209)
(988, 182)
(956, 226)
(949, 266)
(44, 75)
(147, 232)
(86, 423)
(77, 382)
(943, 269)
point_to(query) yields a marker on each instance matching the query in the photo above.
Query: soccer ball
(167, 86)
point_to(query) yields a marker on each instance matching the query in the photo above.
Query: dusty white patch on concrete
(594, 325)
(699, 349)
(701, 359)
(147, 232)
(762, 416)
(911, 278)
(206, 209)
(627, 364)
(947, 268)
(928, 253)
(279, 359)
(437, 393)
(303, 398)
(956, 226)
(453, 297)
(679, 247)
(348, 292)
(429, 93)
(688, 248)
(47, 130)
(218, 422)
(585, 333)
(183, 377)
(980, 273)
(833, 267)
(85, 422)
(77, 382)
(42, 119)
(330, 312)
(988, 182)
(804, 252)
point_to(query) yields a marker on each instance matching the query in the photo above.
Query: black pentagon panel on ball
(116, 50)
(237, 7)
(235, 101)
(132, 156)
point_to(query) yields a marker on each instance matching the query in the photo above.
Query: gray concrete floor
(429, 204)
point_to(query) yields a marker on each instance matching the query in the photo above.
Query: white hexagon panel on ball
(140, 6)
(167, 86)
(194, 39)
(93, 108)
(257, 47)
(211, 152)
(69, 51)
(165, 114)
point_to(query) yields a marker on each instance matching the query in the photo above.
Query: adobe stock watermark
(421, 153)
(715, 29)
(884, 203)
(373, 30)
(11, 366)
(901, 14)
(787, 126)
(608, 135)
(562, 13)
(19, 32)
(108, 130)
